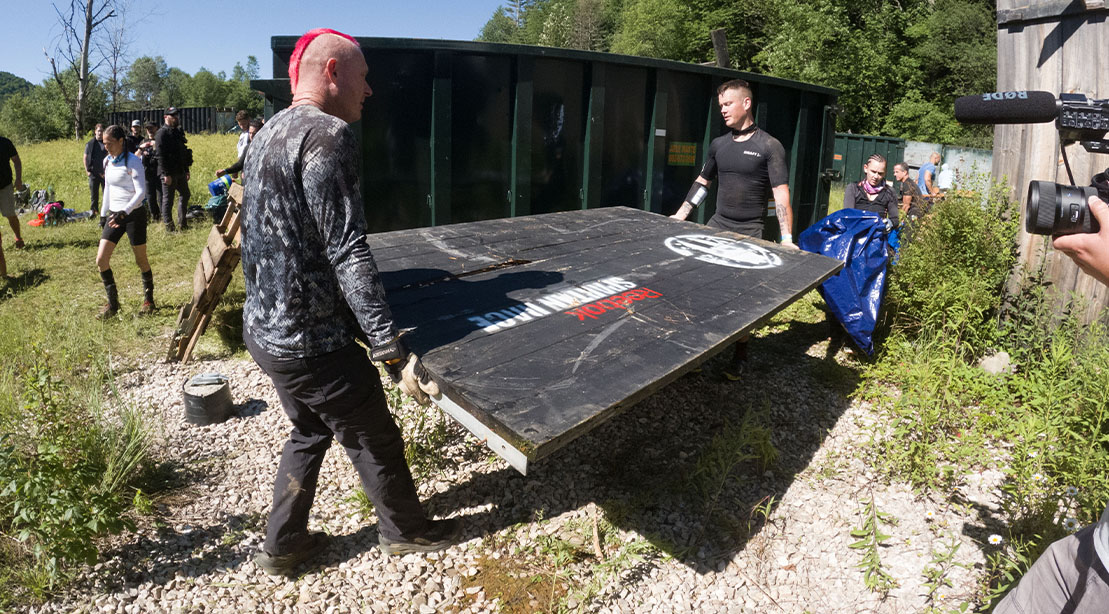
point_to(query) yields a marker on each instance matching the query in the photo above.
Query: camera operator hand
(1090, 251)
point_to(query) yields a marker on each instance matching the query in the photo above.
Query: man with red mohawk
(312, 290)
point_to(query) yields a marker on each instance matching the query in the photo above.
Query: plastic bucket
(219, 186)
(207, 399)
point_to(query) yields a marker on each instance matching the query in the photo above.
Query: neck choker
(747, 130)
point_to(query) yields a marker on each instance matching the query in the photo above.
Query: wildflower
(1070, 524)
(1071, 491)
(995, 539)
(1032, 454)
(929, 515)
(941, 595)
(1037, 477)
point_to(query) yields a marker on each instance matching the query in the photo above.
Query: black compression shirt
(748, 170)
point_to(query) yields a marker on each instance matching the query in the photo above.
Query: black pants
(95, 183)
(336, 395)
(154, 195)
(179, 186)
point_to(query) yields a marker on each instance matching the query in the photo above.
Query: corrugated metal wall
(460, 131)
(193, 119)
(852, 151)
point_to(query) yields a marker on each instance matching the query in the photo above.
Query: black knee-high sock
(148, 286)
(110, 288)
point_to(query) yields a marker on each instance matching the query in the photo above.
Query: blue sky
(217, 34)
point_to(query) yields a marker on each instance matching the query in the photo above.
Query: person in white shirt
(122, 211)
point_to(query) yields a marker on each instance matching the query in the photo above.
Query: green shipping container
(462, 131)
(853, 150)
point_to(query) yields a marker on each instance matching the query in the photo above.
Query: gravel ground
(658, 493)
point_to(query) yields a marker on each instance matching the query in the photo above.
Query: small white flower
(995, 539)
(1070, 524)
(941, 595)
(929, 515)
(1032, 454)
(1037, 477)
(1071, 491)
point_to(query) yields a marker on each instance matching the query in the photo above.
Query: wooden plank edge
(517, 459)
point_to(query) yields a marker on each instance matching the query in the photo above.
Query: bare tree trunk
(77, 33)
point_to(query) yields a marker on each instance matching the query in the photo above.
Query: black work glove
(406, 370)
(103, 221)
(117, 219)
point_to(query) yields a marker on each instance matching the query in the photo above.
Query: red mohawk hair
(302, 44)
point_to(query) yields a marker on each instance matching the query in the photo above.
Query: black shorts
(134, 224)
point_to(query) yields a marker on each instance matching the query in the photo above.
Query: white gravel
(195, 554)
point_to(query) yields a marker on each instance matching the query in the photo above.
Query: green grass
(49, 333)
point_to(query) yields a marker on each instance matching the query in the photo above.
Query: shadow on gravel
(191, 552)
(683, 468)
(18, 284)
(250, 409)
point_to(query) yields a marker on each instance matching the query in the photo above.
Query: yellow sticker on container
(682, 154)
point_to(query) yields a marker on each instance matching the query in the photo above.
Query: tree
(83, 19)
(11, 85)
(207, 89)
(655, 28)
(146, 79)
(499, 29)
(114, 48)
(176, 88)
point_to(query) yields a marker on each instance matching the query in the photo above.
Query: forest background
(898, 64)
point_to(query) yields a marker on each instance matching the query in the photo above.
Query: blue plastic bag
(854, 295)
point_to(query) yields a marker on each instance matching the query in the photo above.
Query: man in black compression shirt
(750, 164)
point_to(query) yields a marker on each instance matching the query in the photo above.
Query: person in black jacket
(872, 193)
(173, 169)
(149, 159)
(94, 167)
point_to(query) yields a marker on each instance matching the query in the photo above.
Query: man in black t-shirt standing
(8, 157)
(750, 164)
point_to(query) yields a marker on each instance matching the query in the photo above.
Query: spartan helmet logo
(724, 251)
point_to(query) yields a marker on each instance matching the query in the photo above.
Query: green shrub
(951, 275)
(64, 480)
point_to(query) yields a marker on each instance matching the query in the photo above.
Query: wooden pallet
(218, 261)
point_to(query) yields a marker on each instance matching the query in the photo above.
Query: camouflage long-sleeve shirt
(311, 281)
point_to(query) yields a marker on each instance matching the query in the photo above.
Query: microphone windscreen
(1007, 108)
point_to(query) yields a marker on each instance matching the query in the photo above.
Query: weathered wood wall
(1055, 46)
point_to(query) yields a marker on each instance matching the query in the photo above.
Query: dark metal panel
(624, 153)
(593, 151)
(396, 140)
(481, 143)
(557, 135)
(656, 144)
(519, 198)
(439, 198)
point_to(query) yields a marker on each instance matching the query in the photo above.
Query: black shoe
(440, 534)
(284, 564)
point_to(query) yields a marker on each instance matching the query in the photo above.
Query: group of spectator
(142, 176)
(905, 199)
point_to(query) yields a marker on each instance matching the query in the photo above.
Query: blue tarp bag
(854, 295)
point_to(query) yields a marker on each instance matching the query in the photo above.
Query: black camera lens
(1054, 209)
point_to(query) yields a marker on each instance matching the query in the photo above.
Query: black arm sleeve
(237, 167)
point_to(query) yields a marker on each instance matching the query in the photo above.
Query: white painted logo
(724, 251)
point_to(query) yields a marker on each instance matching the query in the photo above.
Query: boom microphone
(1007, 108)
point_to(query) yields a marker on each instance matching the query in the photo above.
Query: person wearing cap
(242, 118)
(173, 169)
(132, 141)
(312, 290)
